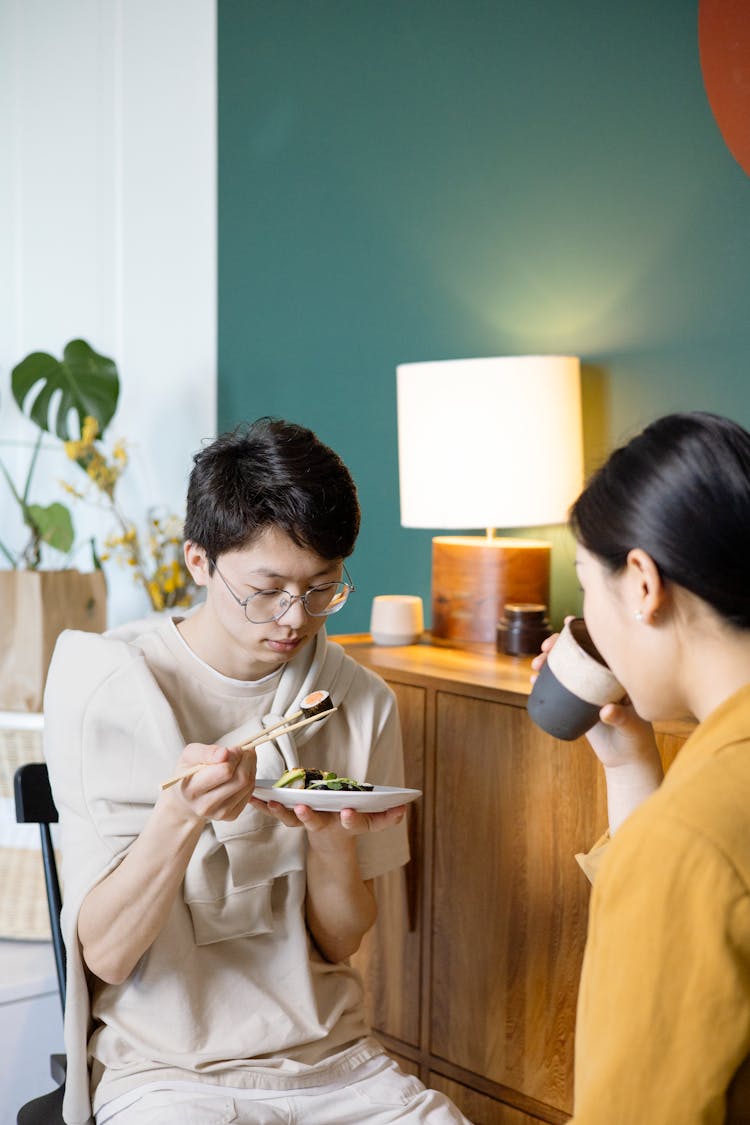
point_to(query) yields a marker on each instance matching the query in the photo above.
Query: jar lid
(525, 609)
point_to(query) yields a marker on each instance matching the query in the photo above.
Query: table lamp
(493, 443)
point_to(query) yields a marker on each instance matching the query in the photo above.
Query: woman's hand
(621, 736)
(625, 745)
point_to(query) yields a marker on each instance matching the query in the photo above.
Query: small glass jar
(522, 630)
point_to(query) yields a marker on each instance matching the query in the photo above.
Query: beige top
(232, 991)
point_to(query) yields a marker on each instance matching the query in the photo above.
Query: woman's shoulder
(712, 802)
(698, 824)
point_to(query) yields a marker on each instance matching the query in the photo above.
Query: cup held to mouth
(573, 685)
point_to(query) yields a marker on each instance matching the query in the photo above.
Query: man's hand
(219, 791)
(121, 916)
(340, 905)
(326, 829)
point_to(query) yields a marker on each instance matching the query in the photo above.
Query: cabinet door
(481, 1109)
(389, 956)
(512, 806)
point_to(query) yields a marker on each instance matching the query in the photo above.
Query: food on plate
(316, 703)
(342, 783)
(301, 778)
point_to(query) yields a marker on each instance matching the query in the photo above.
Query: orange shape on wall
(724, 44)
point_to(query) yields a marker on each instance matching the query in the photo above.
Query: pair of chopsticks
(284, 726)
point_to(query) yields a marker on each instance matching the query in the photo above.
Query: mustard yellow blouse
(663, 1026)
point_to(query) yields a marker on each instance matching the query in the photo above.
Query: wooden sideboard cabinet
(472, 968)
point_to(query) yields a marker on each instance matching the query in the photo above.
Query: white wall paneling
(108, 231)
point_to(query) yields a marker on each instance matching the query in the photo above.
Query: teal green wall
(405, 180)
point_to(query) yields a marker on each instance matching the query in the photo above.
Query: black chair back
(34, 805)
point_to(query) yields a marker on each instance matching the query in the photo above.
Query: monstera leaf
(48, 390)
(53, 525)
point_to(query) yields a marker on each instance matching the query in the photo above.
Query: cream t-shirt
(232, 991)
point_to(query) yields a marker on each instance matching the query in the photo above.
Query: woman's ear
(196, 560)
(646, 585)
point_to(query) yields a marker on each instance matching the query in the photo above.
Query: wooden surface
(480, 1109)
(473, 577)
(475, 980)
(430, 662)
(510, 903)
(389, 958)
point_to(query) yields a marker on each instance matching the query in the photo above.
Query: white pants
(381, 1096)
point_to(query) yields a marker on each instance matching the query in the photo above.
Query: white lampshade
(489, 443)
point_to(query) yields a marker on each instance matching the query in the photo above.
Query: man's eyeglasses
(271, 605)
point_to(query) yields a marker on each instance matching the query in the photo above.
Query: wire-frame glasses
(271, 605)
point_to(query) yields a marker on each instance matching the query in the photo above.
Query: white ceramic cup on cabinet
(396, 619)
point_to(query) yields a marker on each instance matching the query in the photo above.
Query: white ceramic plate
(334, 800)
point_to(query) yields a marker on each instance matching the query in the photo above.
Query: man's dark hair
(271, 473)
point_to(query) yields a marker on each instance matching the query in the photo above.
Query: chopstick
(319, 708)
(270, 730)
(269, 736)
(286, 726)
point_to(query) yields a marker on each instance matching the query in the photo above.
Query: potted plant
(73, 401)
(39, 594)
(52, 393)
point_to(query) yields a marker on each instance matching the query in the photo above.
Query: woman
(663, 1027)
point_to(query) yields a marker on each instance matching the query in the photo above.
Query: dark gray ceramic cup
(573, 685)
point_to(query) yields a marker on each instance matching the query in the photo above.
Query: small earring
(638, 615)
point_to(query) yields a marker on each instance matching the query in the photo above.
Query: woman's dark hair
(271, 473)
(680, 490)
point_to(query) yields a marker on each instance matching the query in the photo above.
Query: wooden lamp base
(473, 577)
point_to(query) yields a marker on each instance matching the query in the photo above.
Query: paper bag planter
(35, 607)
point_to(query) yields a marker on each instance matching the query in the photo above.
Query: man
(208, 933)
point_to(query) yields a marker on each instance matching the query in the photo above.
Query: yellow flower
(90, 430)
(70, 489)
(155, 560)
(120, 454)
